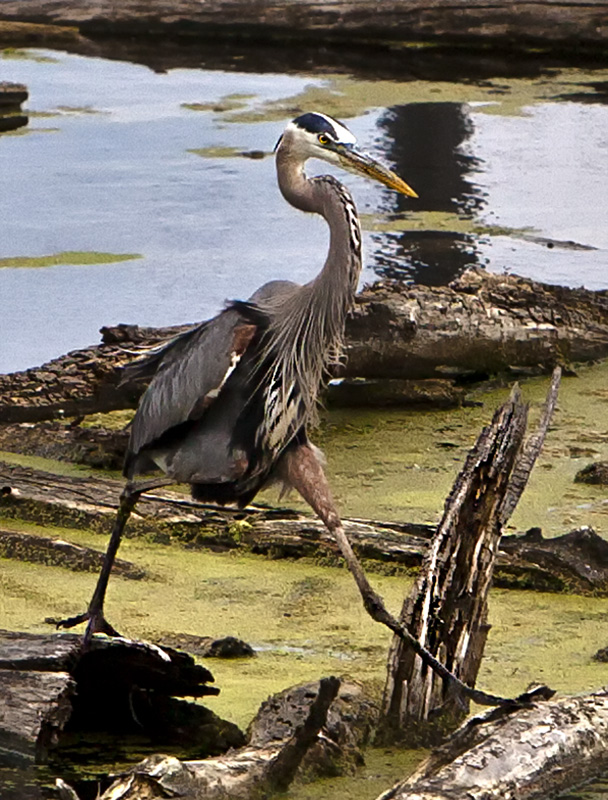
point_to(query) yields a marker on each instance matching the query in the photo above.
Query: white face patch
(312, 135)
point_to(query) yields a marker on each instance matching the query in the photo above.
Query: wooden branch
(530, 451)
(537, 752)
(505, 324)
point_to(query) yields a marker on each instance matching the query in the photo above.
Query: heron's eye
(323, 138)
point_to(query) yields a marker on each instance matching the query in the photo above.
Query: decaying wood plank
(576, 22)
(482, 324)
(447, 608)
(536, 752)
(34, 707)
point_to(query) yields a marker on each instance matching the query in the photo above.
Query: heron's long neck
(307, 328)
(329, 198)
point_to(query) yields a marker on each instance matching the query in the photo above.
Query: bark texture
(521, 21)
(481, 324)
(447, 609)
(34, 707)
(534, 753)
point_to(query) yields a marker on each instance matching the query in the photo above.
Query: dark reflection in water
(426, 144)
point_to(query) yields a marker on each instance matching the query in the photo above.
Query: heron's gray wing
(189, 373)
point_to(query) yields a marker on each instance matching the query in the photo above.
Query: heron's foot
(96, 623)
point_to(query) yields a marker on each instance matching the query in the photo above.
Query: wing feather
(189, 374)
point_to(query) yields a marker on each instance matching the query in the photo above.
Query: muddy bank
(520, 23)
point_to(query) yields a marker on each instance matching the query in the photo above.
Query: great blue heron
(230, 401)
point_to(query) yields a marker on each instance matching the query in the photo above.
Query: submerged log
(576, 562)
(544, 21)
(48, 685)
(447, 610)
(595, 474)
(57, 552)
(536, 752)
(479, 325)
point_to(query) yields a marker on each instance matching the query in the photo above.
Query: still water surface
(120, 160)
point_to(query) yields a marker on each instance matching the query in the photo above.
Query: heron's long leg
(97, 623)
(300, 468)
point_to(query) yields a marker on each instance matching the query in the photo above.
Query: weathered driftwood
(536, 752)
(576, 562)
(34, 707)
(48, 683)
(283, 736)
(447, 609)
(12, 95)
(576, 559)
(545, 20)
(481, 324)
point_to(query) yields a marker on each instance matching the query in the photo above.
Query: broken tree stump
(448, 606)
(532, 753)
(49, 686)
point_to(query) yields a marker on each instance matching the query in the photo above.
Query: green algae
(306, 620)
(67, 257)
(345, 97)
(216, 152)
(19, 54)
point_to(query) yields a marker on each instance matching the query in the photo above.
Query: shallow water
(137, 176)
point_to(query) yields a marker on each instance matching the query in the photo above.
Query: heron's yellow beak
(361, 164)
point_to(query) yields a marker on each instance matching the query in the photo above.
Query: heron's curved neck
(329, 198)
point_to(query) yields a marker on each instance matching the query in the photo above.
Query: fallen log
(480, 325)
(48, 685)
(576, 562)
(545, 21)
(100, 448)
(536, 752)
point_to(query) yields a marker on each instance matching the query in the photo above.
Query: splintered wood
(447, 610)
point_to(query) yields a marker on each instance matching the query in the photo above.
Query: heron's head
(316, 135)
